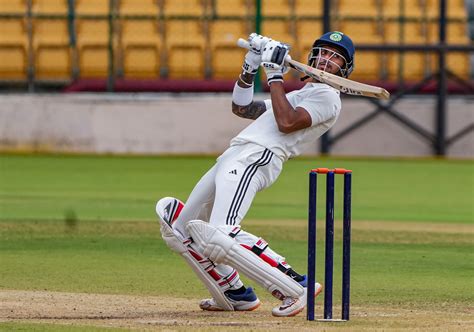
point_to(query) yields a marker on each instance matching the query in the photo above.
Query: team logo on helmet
(336, 36)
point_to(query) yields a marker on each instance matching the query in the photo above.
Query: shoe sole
(255, 306)
(251, 308)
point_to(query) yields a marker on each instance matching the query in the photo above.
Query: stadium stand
(305, 8)
(13, 49)
(223, 34)
(359, 9)
(139, 7)
(155, 39)
(194, 8)
(411, 65)
(281, 8)
(367, 63)
(92, 46)
(140, 46)
(185, 41)
(279, 30)
(233, 8)
(413, 9)
(306, 30)
(52, 51)
(88, 7)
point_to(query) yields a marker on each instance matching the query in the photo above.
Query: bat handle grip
(245, 44)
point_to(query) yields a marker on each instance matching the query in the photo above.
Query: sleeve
(321, 105)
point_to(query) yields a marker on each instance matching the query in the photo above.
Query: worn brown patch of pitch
(167, 313)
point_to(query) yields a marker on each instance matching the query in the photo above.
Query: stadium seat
(225, 56)
(307, 31)
(455, 9)
(276, 8)
(141, 46)
(13, 7)
(414, 64)
(13, 49)
(304, 8)
(51, 49)
(239, 8)
(184, 7)
(278, 30)
(139, 7)
(185, 48)
(95, 7)
(411, 9)
(51, 7)
(359, 8)
(456, 33)
(368, 64)
(92, 45)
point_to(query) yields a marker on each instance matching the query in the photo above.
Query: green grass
(87, 224)
(125, 188)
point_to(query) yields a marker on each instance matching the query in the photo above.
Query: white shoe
(247, 301)
(292, 306)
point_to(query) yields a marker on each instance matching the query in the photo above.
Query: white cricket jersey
(321, 101)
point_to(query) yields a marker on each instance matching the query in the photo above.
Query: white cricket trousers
(224, 194)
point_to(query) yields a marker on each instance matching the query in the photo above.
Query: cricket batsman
(206, 230)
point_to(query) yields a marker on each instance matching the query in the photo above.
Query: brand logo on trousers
(233, 172)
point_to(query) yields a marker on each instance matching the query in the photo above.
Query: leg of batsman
(251, 256)
(221, 280)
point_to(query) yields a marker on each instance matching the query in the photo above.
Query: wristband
(242, 96)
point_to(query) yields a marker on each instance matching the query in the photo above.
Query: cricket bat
(340, 83)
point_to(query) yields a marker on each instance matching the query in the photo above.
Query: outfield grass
(87, 224)
(121, 188)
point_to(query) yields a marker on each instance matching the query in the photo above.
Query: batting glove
(273, 60)
(253, 58)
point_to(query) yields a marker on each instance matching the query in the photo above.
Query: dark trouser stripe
(244, 184)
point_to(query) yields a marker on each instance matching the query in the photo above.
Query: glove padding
(253, 58)
(273, 60)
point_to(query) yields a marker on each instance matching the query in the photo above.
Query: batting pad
(202, 266)
(221, 248)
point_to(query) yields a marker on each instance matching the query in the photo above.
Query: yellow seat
(367, 64)
(95, 7)
(413, 32)
(308, 8)
(185, 48)
(13, 6)
(141, 45)
(184, 7)
(359, 8)
(226, 32)
(456, 33)
(414, 65)
(92, 44)
(51, 48)
(226, 58)
(232, 7)
(278, 30)
(276, 8)
(139, 7)
(455, 9)
(13, 49)
(412, 9)
(307, 31)
(54, 7)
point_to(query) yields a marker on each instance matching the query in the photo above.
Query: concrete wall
(201, 123)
